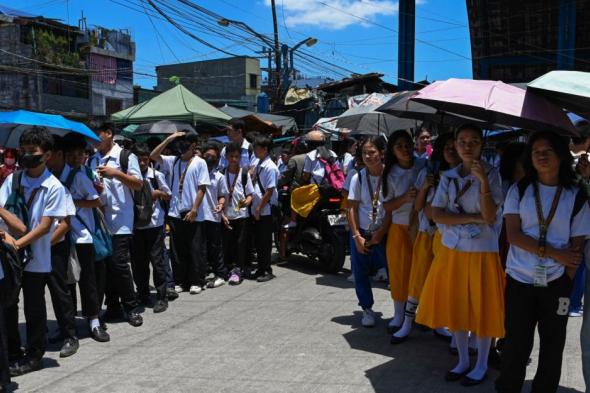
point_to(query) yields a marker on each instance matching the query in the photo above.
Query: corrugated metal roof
(4, 10)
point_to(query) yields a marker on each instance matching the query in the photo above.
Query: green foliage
(53, 49)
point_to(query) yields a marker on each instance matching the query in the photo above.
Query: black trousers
(210, 246)
(33, 292)
(92, 280)
(235, 246)
(4, 373)
(526, 307)
(187, 267)
(148, 247)
(119, 282)
(263, 242)
(61, 298)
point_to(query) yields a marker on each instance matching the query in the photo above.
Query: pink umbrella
(495, 103)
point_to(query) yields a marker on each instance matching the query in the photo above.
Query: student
(423, 139)
(181, 231)
(444, 157)
(235, 216)
(148, 241)
(210, 243)
(313, 169)
(368, 224)
(86, 198)
(399, 178)
(265, 179)
(464, 288)
(236, 130)
(61, 298)
(547, 220)
(583, 169)
(46, 201)
(119, 184)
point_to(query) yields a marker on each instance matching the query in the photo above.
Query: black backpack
(12, 267)
(143, 205)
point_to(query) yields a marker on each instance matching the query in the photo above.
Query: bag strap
(176, 160)
(124, 160)
(32, 197)
(17, 187)
(71, 176)
(581, 199)
(460, 193)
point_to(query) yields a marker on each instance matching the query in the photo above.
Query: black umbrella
(163, 127)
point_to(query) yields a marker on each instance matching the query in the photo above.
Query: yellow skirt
(399, 261)
(436, 242)
(422, 257)
(464, 291)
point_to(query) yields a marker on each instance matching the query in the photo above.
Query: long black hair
(511, 156)
(390, 158)
(437, 159)
(559, 144)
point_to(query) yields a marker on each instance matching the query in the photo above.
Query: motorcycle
(321, 236)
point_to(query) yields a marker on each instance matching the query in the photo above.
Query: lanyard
(460, 193)
(544, 223)
(374, 197)
(181, 180)
(233, 185)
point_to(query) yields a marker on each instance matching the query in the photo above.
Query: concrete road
(298, 333)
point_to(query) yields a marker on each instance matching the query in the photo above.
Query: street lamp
(309, 42)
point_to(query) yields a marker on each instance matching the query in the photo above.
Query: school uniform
(148, 244)
(92, 272)
(61, 297)
(464, 287)
(314, 166)
(187, 176)
(399, 241)
(48, 199)
(210, 242)
(537, 288)
(363, 265)
(118, 211)
(266, 175)
(235, 239)
(247, 158)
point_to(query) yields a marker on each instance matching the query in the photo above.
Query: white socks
(398, 314)
(443, 331)
(409, 316)
(481, 366)
(94, 323)
(462, 340)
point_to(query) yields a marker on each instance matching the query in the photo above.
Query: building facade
(518, 41)
(217, 81)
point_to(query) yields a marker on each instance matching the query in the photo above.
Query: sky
(356, 35)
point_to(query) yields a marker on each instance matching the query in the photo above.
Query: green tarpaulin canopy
(177, 104)
(568, 89)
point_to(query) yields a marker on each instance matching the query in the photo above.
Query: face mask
(29, 161)
(211, 162)
(9, 161)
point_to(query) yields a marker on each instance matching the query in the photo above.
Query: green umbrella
(568, 89)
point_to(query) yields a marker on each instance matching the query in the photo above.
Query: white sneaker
(350, 278)
(177, 289)
(290, 224)
(216, 283)
(381, 275)
(368, 318)
(195, 290)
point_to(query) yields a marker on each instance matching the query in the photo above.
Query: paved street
(297, 333)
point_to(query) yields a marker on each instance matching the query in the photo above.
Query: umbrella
(568, 89)
(496, 103)
(14, 124)
(285, 123)
(163, 127)
(366, 120)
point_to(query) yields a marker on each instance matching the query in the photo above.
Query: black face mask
(30, 161)
(211, 162)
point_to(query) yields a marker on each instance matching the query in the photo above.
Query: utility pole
(405, 65)
(277, 76)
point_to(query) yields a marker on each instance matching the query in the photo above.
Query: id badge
(540, 276)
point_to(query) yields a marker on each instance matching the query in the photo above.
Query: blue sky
(358, 35)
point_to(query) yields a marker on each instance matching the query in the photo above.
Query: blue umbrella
(13, 124)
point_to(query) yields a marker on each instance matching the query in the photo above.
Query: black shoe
(171, 294)
(452, 377)
(30, 365)
(100, 335)
(134, 318)
(264, 277)
(69, 347)
(472, 382)
(14, 368)
(398, 340)
(146, 301)
(160, 306)
(494, 359)
(111, 315)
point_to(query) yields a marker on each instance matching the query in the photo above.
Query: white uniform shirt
(313, 165)
(424, 224)
(196, 175)
(240, 192)
(246, 159)
(346, 161)
(118, 207)
(360, 193)
(175, 168)
(399, 181)
(70, 207)
(459, 236)
(521, 264)
(50, 201)
(215, 190)
(159, 213)
(266, 174)
(350, 173)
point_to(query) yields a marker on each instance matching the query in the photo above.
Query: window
(253, 81)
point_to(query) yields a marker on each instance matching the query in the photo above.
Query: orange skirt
(422, 257)
(399, 261)
(436, 242)
(464, 291)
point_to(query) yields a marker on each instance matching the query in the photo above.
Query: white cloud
(313, 13)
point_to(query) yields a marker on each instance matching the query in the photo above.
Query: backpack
(143, 205)
(12, 267)
(333, 175)
(16, 203)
